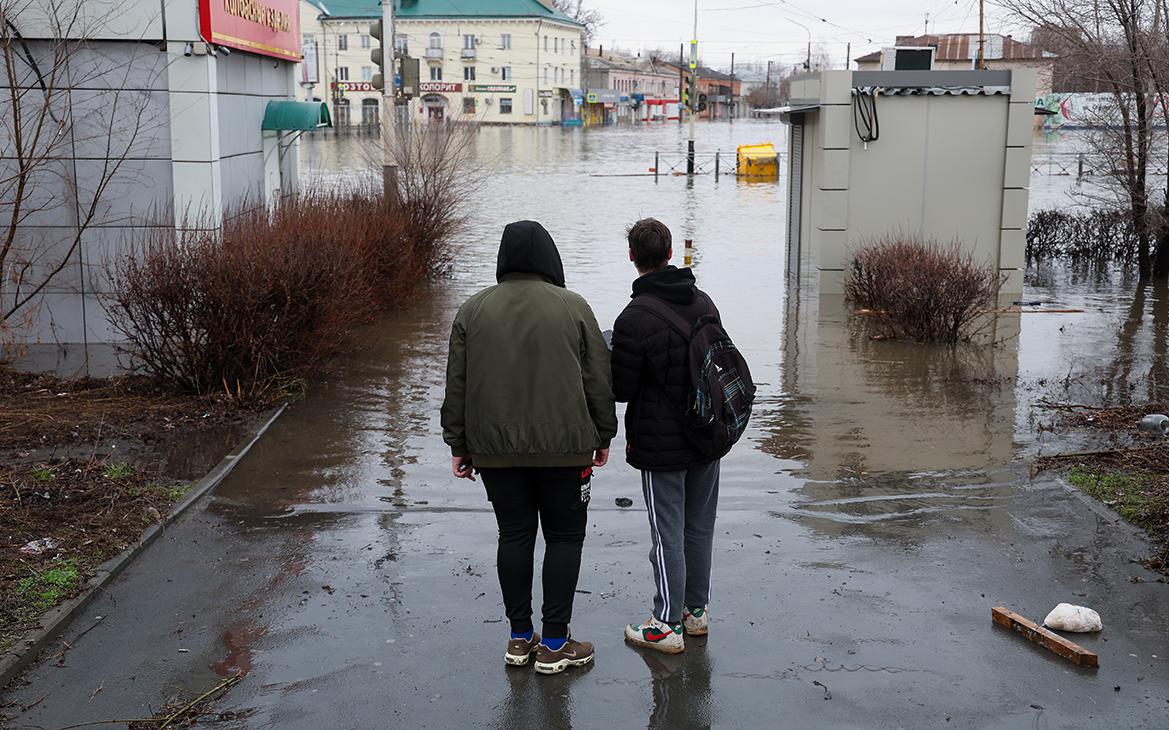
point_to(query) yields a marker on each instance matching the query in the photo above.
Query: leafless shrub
(271, 297)
(911, 289)
(437, 177)
(1089, 236)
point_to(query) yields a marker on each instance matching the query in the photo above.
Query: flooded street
(878, 508)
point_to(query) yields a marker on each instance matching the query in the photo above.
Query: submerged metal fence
(1081, 165)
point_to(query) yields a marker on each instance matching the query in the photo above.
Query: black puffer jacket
(651, 372)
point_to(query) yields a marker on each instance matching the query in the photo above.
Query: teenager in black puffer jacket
(651, 372)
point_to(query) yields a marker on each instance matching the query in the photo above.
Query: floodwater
(878, 508)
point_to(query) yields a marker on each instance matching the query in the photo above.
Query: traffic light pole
(389, 102)
(693, 96)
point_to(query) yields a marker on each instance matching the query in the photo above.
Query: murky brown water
(876, 432)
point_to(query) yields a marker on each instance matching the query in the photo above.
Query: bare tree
(1118, 47)
(63, 152)
(591, 18)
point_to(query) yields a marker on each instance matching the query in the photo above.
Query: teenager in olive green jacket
(529, 405)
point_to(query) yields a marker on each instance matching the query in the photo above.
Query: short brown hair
(650, 241)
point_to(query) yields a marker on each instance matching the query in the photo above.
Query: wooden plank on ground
(1049, 640)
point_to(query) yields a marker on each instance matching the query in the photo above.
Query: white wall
(185, 135)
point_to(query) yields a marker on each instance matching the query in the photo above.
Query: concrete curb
(54, 623)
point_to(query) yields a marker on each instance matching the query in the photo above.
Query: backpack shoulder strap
(664, 312)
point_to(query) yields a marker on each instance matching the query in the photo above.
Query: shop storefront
(600, 107)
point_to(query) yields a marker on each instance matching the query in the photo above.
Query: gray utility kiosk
(942, 154)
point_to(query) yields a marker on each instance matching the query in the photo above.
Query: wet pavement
(878, 509)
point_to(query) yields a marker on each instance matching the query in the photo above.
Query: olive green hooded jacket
(529, 382)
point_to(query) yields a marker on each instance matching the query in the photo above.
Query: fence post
(657, 163)
(1080, 168)
(716, 164)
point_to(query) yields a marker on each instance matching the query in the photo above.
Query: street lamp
(808, 61)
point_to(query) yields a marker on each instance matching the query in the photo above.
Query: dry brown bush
(270, 297)
(924, 291)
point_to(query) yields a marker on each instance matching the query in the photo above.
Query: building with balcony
(492, 61)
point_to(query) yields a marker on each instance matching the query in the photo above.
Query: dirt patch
(87, 466)
(1129, 474)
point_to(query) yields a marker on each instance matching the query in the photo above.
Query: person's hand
(462, 467)
(601, 457)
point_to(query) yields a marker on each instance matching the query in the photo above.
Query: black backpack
(721, 390)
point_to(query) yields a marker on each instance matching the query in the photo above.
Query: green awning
(289, 116)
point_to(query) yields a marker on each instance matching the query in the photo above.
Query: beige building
(493, 61)
(959, 52)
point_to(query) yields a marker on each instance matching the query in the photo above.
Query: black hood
(671, 283)
(529, 249)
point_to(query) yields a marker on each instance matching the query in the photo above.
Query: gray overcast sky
(764, 29)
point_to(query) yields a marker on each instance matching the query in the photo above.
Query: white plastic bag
(1077, 619)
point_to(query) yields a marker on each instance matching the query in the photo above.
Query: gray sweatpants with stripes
(681, 506)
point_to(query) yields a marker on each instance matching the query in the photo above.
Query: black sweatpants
(557, 500)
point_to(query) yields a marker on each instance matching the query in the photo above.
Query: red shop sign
(267, 27)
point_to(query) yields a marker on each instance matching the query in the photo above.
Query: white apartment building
(492, 61)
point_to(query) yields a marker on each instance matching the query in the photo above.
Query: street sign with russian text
(492, 88)
(439, 87)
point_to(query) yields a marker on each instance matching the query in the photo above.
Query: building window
(468, 73)
(545, 74)
(435, 40)
(436, 73)
(505, 105)
(469, 42)
(574, 46)
(505, 73)
(366, 73)
(572, 76)
(402, 43)
(468, 105)
(342, 73)
(556, 45)
(364, 40)
(545, 44)
(369, 112)
(505, 42)
(342, 42)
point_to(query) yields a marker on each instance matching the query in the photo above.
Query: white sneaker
(695, 621)
(656, 635)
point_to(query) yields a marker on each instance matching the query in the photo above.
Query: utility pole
(927, 22)
(389, 102)
(981, 35)
(848, 55)
(693, 91)
(681, 81)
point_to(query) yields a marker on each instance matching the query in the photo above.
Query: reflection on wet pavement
(877, 509)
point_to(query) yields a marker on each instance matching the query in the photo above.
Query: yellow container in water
(758, 161)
